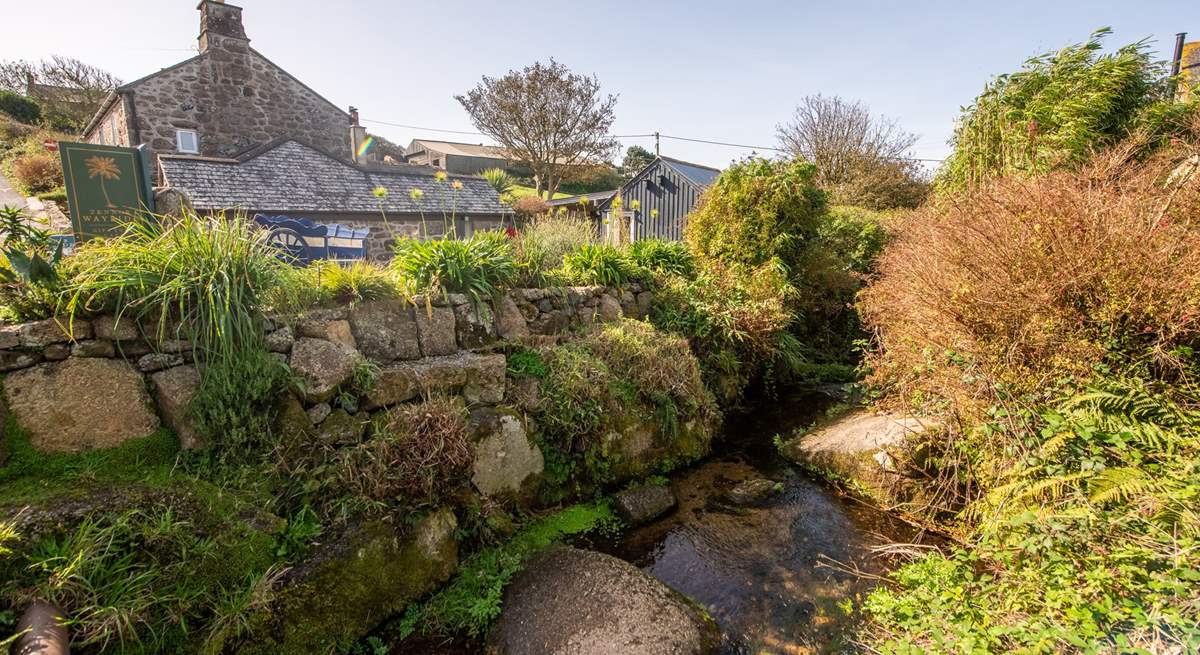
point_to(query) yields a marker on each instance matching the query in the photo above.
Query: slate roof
(597, 196)
(701, 175)
(289, 176)
(457, 148)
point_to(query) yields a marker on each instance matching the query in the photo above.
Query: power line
(424, 129)
(631, 136)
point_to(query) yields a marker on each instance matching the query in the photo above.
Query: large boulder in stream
(860, 446)
(586, 603)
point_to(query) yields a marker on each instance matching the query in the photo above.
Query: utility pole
(657, 150)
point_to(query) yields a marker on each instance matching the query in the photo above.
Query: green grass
(518, 191)
(28, 474)
(211, 279)
(472, 600)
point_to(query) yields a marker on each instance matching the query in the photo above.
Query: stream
(773, 576)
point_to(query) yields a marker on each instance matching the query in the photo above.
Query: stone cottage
(223, 101)
(230, 130)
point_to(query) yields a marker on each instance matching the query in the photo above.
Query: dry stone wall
(97, 382)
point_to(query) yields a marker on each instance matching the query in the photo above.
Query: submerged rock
(586, 603)
(644, 504)
(752, 491)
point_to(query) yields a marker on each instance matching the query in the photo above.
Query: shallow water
(772, 576)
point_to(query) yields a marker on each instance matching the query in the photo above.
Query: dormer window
(187, 142)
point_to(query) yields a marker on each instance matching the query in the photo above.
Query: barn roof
(700, 174)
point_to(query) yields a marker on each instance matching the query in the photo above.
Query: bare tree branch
(855, 153)
(69, 90)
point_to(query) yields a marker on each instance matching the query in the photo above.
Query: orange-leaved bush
(1026, 281)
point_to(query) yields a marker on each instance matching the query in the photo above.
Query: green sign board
(106, 186)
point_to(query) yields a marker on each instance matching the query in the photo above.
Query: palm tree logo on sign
(104, 168)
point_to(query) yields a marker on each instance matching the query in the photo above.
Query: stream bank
(774, 575)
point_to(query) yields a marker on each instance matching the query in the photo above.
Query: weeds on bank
(472, 600)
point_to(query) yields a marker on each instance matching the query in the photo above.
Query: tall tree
(862, 159)
(548, 118)
(69, 90)
(636, 158)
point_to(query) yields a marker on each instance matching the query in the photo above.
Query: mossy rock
(351, 583)
(640, 446)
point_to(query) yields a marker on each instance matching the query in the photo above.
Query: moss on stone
(370, 572)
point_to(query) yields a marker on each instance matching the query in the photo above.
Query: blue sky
(725, 71)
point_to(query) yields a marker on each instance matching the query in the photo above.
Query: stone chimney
(220, 23)
(358, 134)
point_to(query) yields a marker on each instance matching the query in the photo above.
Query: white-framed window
(186, 141)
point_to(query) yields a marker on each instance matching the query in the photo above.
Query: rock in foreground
(586, 603)
(80, 404)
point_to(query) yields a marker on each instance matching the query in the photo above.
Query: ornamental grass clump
(600, 264)
(205, 281)
(478, 267)
(662, 257)
(353, 283)
(543, 242)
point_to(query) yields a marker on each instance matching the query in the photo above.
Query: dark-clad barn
(654, 204)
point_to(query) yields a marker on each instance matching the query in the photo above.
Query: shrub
(20, 107)
(202, 280)
(418, 453)
(544, 241)
(530, 206)
(856, 235)
(36, 173)
(600, 264)
(478, 266)
(1059, 108)
(756, 211)
(664, 257)
(57, 195)
(1026, 281)
(770, 213)
(737, 324)
(615, 370)
(1090, 542)
(29, 270)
